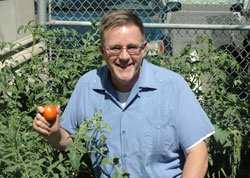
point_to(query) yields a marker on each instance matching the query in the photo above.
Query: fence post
(41, 8)
(42, 19)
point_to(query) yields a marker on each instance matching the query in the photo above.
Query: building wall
(13, 14)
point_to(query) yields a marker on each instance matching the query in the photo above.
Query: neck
(126, 86)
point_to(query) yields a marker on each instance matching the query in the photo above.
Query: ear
(144, 48)
(101, 48)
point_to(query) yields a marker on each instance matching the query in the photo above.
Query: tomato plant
(49, 112)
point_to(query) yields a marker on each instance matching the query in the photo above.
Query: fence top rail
(161, 25)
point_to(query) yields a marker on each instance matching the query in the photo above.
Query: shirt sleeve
(72, 115)
(203, 138)
(192, 121)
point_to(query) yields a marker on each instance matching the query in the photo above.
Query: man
(158, 126)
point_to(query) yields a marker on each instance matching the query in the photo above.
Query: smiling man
(158, 126)
(123, 50)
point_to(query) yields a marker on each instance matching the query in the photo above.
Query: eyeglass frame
(139, 48)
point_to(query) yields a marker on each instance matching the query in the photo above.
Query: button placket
(123, 138)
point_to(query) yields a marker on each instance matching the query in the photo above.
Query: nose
(124, 54)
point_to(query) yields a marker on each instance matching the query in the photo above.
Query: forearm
(59, 140)
(194, 169)
(196, 163)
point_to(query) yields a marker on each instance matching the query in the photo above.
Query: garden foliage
(50, 77)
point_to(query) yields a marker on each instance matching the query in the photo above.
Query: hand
(46, 128)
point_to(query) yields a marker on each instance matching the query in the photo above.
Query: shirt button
(123, 132)
(124, 155)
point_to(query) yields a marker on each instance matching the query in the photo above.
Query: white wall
(13, 14)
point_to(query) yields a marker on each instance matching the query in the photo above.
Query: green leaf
(3, 45)
(106, 160)
(107, 127)
(61, 168)
(38, 96)
(74, 158)
(20, 28)
(228, 112)
(221, 136)
(83, 150)
(117, 174)
(61, 157)
(2, 86)
(87, 138)
(41, 161)
(102, 140)
(12, 168)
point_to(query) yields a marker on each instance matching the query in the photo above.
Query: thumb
(58, 112)
(40, 109)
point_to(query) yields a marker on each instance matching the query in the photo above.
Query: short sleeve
(192, 121)
(72, 114)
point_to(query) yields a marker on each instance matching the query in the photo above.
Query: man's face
(125, 67)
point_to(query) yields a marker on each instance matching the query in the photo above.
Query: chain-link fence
(169, 24)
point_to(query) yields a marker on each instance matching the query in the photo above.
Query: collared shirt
(161, 119)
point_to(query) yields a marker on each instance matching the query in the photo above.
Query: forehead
(123, 35)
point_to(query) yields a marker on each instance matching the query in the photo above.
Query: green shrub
(48, 78)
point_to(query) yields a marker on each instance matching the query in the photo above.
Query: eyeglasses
(132, 50)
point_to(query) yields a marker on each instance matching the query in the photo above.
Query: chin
(125, 80)
(125, 77)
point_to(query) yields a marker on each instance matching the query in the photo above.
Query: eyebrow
(126, 46)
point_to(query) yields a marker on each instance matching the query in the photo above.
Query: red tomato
(49, 112)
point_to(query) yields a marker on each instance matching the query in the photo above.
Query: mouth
(124, 66)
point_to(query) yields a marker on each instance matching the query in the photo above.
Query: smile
(125, 66)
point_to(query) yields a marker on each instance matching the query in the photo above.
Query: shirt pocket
(162, 134)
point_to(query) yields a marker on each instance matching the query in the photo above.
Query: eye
(115, 48)
(132, 47)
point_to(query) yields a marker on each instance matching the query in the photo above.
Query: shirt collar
(147, 77)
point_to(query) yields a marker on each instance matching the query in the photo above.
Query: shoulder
(165, 76)
(92, 77)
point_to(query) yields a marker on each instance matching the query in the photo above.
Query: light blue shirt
(162, 117)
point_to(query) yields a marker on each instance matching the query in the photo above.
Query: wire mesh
(193, 12)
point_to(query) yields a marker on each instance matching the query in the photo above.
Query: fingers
(58, 114)
(58, 109)
(40, 109)
(40, 124)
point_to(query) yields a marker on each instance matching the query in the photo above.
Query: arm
(196, 161)
(60, 139)
(51, 130)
